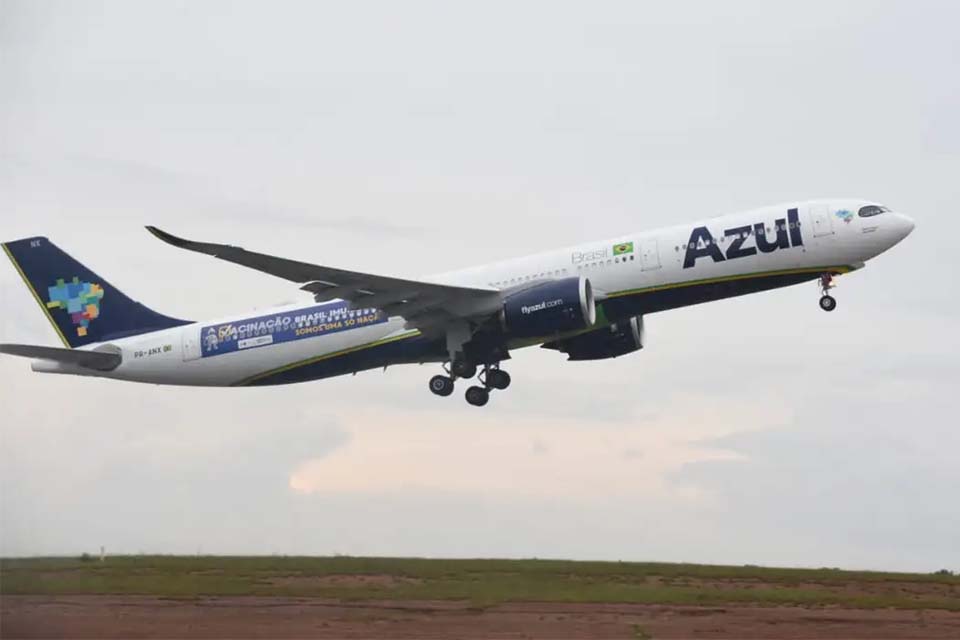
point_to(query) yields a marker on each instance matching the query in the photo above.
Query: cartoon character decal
(210, 340)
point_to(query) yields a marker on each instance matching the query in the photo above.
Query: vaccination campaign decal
(261, 331)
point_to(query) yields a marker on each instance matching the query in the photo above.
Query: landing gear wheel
(463, 369)
(441, 385)
(498, 379)
(477, 396)
(828, 303)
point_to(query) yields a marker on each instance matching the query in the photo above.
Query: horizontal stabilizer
(98, 360)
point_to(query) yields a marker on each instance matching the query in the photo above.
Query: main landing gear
(490, 378)
(827, 302)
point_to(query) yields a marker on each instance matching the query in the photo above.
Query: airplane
(587, 302)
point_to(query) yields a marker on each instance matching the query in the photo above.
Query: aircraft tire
(828, 303)
(464, 369)
(441, 385)
(498, 379)
(477, 396)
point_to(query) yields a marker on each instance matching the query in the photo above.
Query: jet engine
(548, 308)
(609, 342)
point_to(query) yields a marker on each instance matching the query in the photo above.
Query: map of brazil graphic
(79, 299)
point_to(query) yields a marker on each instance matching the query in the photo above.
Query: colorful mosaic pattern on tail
(80, 299)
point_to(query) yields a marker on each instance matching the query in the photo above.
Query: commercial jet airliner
(587, 302)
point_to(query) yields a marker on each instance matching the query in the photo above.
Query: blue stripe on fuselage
(409, 349)
(284, 326)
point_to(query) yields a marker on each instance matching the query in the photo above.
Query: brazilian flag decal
(623, 248)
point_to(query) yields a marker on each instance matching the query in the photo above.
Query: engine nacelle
(609, 342)
(549, 308)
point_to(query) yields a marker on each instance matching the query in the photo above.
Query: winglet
(169, 238)
(209, 248)
(163, 235)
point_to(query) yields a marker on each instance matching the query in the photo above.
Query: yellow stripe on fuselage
(36, 296)
(326, 356)
(744, 276)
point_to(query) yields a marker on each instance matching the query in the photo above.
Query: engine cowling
(549, 308)
(618, 339)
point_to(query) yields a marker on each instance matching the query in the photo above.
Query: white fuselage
(832, 238)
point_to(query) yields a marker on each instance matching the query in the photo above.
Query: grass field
(480, 582)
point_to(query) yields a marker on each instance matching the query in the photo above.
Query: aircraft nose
(905, 225)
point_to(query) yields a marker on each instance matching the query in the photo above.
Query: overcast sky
(411, 138)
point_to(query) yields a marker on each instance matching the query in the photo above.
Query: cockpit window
(872, 210)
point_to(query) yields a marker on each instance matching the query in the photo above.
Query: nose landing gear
(827, 302)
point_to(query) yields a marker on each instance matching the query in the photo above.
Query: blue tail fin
(83, 307)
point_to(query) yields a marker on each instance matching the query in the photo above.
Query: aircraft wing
(99, 360)
(420, 303)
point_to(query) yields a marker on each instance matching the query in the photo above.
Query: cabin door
(649, 255)
(822, 220)
(191, 343)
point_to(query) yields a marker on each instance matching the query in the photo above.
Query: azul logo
(846, 215)
(80, 299)
(546, 304)
(738, 240)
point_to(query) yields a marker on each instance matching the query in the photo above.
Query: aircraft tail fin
(82, 307)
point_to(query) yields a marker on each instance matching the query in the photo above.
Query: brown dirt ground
(343, 580)
(914, 590)
(275, 617)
